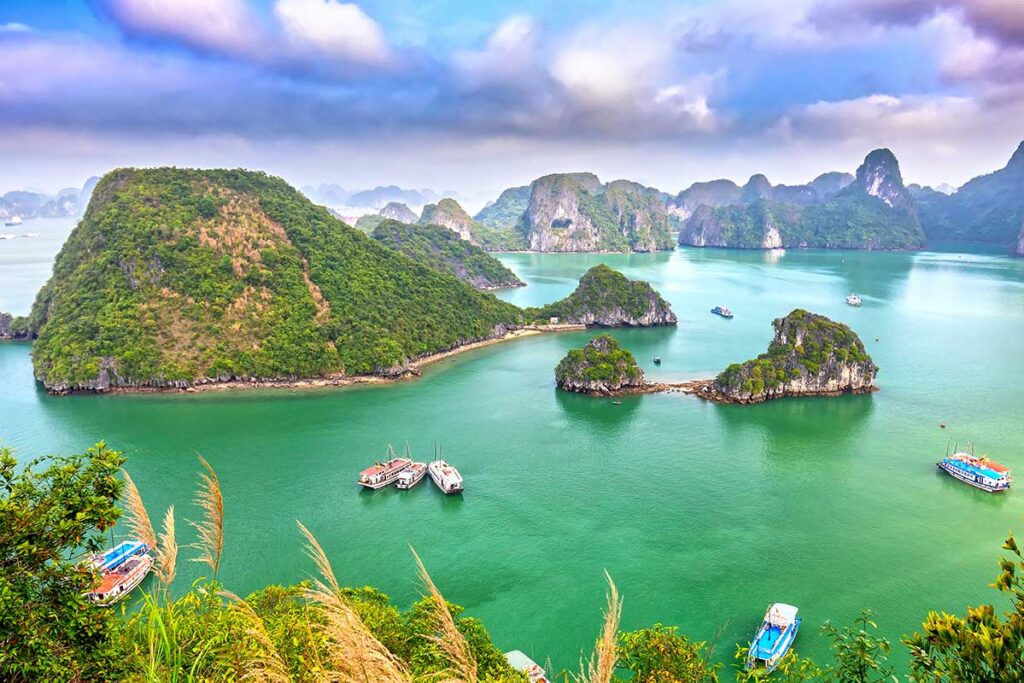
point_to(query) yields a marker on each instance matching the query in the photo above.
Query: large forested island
(180, 277)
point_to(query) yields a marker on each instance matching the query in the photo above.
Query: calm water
(702, 513)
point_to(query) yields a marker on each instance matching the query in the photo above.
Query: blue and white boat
(981, 473)
(121, 570)
(722, 311)
(774, 637)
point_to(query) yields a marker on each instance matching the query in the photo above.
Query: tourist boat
(13, 220)
(853, 300)
(657, 360)
(722, 311)
(7, 236)
(411, 475)
(520, 661)
(32, 234)
(980, 473)
(121, 568)
(774, 637)
(384, 473)
(445, 476)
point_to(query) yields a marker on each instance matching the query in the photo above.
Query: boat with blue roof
(981, 473)
(774, 637)
(722, 311)
(121, 569)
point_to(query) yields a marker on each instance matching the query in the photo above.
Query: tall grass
(601, 666)
(167, 551)
(137, 517)
(462, 665)
(211, 529)
(266, 664)
(353, 653)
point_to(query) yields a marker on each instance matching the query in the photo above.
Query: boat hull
(779, 650)
(971, 480)
(120, 590)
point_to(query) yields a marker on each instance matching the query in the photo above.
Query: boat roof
(381, 466)
(980, 462)
(781, 614)
(519, 660)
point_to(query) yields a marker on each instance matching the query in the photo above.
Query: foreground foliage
(52, 510)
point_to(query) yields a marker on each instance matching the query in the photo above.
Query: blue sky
(476, 96)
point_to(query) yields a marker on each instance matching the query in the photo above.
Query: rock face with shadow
(810, 355)
(14, 327)
(600, 367)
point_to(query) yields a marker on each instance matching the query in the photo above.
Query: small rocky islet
(810, 355)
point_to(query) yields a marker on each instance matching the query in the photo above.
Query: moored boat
(13, 220)
(384, 473)
(980, 473)
(853, 300)
(446, 477)
(7, 236)
(722, 311)
(122, 568)
(657, 360)
(411, 475)
(774, 637)
(520, 661)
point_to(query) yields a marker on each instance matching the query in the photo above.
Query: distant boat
(722, 311)
(383, 473)
(13, 220)
(853, 300)
(774, 637)
(7, 236)
(520, 661)
(32, 234)
(981, 473)
(657, 360)
(446, 476)
(121, 568)
(411, 475)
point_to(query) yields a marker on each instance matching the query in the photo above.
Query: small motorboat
(853, 300)
(722, 311)
(12, 221)
(774, 637)
(32, 234)
(7, 236)
(657, 360)
(411, 475)
(520, 661)
(121, 569)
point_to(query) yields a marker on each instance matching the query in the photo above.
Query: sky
(475, 96)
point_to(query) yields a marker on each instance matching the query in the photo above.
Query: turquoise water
(702, 513)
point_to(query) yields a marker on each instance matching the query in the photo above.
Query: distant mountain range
(335, 195)
(68, 202)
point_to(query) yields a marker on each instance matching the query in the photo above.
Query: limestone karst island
(385, 342)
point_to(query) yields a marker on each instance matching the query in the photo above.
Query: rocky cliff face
(450, 214)
(398, 211)
(879, 176)
(810, 355)
(600, 367)
(574, 212)
(606, 298)
(507, 209)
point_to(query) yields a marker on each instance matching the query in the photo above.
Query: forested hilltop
(178, 275)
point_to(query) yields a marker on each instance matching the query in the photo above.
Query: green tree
(979, 646)
(661, 655)
(52, 511)
(859, 655)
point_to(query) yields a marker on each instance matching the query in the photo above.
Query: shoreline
(705, 389)
(412, 370)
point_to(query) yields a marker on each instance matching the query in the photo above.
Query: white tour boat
(384, 473)
(445, 476)
(853, 300)
(7, 236)
(13, 220)
(411, 475)
(520, 661)
(121, 568)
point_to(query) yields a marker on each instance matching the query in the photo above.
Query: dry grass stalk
(601, 666)
(167, 551)
(353, 653)
(137, 517)
(462, 665)
(211, 529)
(268, 665)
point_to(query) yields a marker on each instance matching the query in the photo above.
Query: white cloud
(14, 27)
(881, 117)
(224, 26)
(334, 29)
(509, 57)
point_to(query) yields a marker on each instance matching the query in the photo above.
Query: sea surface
(702, 513)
